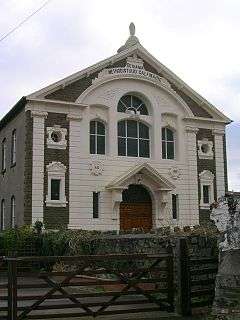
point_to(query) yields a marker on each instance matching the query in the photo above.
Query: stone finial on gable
(132, 39)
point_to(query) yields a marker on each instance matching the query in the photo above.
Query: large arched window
(132, 104)
(168, 144)
(3, 214)
(97, 137)
(133, 139)
(13, 212)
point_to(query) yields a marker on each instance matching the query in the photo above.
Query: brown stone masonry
(72, 91)
(205, 164)
(54, 217)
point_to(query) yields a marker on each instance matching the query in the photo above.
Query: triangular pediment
(144, 169)
(70, 88)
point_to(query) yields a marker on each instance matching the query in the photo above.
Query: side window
(4, 152)
(97, 137)
(175, 206)
(55, 189)
(56, 196)
(168, 144)
(206, 178)
(13, 147)
(3, 215)
(13, 212)
(96, 204)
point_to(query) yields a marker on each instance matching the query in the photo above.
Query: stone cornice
(74, 117)
(39, 114)
(218, 132)
(191, 129)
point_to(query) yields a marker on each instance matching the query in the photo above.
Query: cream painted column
(192, 217)
(219, 161)
(75, 138)
(38, 165)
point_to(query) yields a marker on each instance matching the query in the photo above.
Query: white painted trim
(62, 144)
(145, 55)
(38, 165)
(206, 178)
(56, 170)
(116, 77)
(219, 162)
(164, 184)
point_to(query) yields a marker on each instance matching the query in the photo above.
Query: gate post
(184, 278)
(12, 288)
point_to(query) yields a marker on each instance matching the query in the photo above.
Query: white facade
(110, 174)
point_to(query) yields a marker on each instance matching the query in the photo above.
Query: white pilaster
(219, 161)
(193, 218)
(75, 138)
(38, 165)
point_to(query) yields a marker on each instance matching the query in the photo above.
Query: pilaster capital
(39, 114)
(218, 132)
(74, 117)
(191, 129)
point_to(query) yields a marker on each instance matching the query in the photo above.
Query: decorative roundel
(205, 148)
(132, 104)
(56, 136)
(174, 173)
(96, 168)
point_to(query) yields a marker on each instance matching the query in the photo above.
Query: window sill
(56, 203)
(205, 206)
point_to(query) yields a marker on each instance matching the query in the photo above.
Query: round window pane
(205, 148)
(132, 104)
(56, 136)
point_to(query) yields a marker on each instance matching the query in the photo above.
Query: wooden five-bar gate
(62, 287)
(109, 284)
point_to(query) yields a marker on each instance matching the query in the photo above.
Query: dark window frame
(95, 142)
(4, 155)
(13, 147)
(206, 193)
(126, 139)
(175, 206)
(58, 193)
(3, 214)
(95, 204)
(166, 150)
(13, 212)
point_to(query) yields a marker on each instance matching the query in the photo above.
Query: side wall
(12, 181)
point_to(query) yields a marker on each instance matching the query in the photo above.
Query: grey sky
(198, 40)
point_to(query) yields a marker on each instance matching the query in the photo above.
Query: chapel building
(120, 145)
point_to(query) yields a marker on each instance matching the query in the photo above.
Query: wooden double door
(136, 209)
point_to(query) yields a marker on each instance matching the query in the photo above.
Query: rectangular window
(96, 205)
(3, 209)
(174, 206)
(206, 197)
(4, 146)
(55, 189)
(13, 148)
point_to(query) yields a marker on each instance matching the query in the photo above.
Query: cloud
(198, 40)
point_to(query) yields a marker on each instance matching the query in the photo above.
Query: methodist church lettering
(132, 70)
